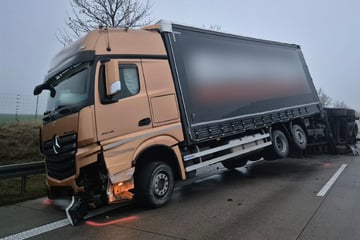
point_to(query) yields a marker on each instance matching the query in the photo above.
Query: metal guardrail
(22, 170)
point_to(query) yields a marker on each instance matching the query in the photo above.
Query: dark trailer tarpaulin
(227, 82)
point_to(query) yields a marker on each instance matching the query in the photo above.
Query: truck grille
(60, 160)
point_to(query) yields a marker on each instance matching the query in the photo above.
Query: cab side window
(129, 78)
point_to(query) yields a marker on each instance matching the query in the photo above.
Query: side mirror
(113, 85)
(39, 88)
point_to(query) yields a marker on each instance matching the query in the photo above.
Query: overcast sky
(327, 30)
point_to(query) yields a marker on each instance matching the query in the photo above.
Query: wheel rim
(279, 143)
(299, 136)
(161, 184)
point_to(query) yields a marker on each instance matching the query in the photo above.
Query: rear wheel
(154, 184)
(279, 147)
(299, 137)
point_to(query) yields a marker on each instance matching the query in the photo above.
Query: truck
(130, 112)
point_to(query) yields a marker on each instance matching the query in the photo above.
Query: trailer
(131, 112)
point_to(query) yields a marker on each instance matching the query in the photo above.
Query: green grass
(19, 143)
(22, 119)
(10, 189)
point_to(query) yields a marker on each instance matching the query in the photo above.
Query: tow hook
(76, 211)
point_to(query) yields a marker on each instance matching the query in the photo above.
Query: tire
(352, 130)
(154, 184)
(234, 163)
(299, 137)
(279, 147)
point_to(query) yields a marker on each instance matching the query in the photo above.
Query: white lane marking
(38, 230)
(331, 181)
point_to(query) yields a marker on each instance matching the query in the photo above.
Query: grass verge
(21, 118)
(10, 189)
(19, 143)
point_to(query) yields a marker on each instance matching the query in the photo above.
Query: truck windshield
(71, 88)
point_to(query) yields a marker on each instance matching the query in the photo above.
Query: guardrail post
(23, 184)
(22, 170)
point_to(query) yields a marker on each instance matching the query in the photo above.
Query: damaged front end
(98, 190)
(81, 175)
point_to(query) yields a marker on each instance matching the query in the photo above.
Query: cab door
(126, 112)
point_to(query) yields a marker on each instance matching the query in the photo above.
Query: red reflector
(47, 202)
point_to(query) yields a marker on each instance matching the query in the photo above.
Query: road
(264, 200)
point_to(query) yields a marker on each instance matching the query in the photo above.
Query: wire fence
(16, 106)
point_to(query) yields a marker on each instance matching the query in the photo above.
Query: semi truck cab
(111, 104)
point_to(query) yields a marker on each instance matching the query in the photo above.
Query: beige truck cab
(113, 107)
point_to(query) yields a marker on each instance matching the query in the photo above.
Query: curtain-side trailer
(130, 112)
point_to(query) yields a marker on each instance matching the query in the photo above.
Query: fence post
(23, 184)
(17, 108)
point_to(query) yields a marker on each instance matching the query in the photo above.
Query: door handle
(144, 122)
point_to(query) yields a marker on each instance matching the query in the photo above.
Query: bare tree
(213, 27)
(324, 98)
(340, 104)
(91, 14)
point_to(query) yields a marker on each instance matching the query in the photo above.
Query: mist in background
(327, 31)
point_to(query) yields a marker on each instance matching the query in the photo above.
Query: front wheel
(154, 184)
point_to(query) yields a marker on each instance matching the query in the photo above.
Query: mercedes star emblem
(56, 144)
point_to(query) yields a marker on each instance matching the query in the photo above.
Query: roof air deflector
(165, 26)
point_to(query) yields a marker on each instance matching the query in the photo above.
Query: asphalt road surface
(264, 200)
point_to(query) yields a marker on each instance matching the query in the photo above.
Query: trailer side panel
(229, 84)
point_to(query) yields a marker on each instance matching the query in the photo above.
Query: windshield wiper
(58, 107)
(63, 109)
(47, 116)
